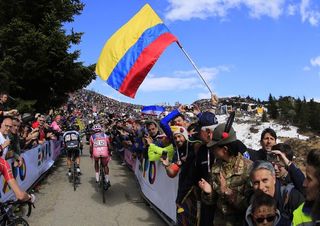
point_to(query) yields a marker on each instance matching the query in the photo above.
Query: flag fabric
(131, 52)
(152, 110)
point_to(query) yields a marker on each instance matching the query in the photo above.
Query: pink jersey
(100, 145)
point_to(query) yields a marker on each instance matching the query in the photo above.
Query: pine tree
(35, 61)
(304, 115)
(286, 108)
(314, 119)
(272, 107)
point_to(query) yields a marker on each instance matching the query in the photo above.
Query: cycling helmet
(96, 128)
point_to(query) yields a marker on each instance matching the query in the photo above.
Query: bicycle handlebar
(8, 203)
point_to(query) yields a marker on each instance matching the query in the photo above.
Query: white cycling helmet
(96, 128)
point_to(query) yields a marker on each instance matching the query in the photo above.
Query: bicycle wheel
(18, 222)
(102, 181)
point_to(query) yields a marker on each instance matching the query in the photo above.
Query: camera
(189, 108)
(272, 157)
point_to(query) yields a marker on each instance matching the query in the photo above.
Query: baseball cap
(221, 137)
(206, 119)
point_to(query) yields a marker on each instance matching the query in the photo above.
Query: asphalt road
(57, 204)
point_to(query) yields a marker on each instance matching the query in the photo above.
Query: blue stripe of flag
(128, 60)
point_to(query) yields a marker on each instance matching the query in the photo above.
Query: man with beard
(183, 161)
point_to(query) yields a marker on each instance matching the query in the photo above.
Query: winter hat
(220, 136)
(180, 130)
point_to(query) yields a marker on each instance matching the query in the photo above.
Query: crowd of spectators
(234, 185)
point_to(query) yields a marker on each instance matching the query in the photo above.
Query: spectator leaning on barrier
(230, 185)
(36, 123)
(286, 171)
(5, 141)
(5, 169)
(183, 162)
(41, 126)
(137, 147)
(153, 129)
(262, 175)
(15, 141)
(29, 137)
(55, 125)
(268, 139)
(308, 213)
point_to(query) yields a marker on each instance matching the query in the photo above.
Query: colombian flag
(131, 52)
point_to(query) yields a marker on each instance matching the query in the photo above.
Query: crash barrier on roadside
(157, 187)
(161, 191)
(36, 162)
(129, 159)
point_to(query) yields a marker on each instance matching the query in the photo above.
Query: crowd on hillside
(221, 181)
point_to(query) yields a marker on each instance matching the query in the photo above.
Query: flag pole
(195, 67)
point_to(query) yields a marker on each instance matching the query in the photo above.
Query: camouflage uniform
(230, 208)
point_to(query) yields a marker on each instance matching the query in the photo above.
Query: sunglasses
(262, 219)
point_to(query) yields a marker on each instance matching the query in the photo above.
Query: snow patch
(252, 140)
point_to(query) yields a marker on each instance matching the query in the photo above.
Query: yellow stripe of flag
(121, 41)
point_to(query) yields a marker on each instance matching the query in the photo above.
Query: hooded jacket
(249, 218)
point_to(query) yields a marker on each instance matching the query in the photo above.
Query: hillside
(249, 130)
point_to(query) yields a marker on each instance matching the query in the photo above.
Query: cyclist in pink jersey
(100, 147)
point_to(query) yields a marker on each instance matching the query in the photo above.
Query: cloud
(292, 9)
(182, 80)
(315, 62)
(203, 9)
(309, 12)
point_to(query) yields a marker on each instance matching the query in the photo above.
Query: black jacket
(287, 202)
(254, 155)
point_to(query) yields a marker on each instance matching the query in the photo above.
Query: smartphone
(189, 108)
(272, 157)
(164, 155)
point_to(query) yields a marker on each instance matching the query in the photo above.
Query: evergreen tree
(264, 117)
(286, 108)
(272, 107)
(304, 115)
(297, 109)
(314, 119)
(36, 65)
